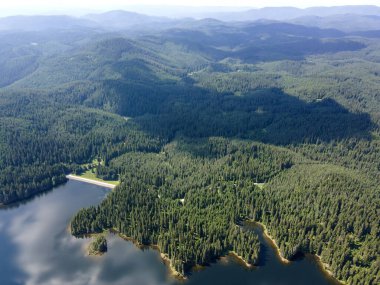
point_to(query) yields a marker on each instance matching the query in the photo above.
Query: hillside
(190, 116)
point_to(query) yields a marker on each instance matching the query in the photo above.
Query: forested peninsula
(205, 126)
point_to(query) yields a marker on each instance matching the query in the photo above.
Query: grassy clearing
(90, 175)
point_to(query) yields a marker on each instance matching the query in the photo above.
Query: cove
(37, 249)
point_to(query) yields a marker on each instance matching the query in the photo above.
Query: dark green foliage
(41, 141)
(329, 211)
(18, 183)
(266, 115)
(190, 120)
(187, 204)
(306, 208)
(98, 245)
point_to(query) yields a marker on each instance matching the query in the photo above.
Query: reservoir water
(37, 249)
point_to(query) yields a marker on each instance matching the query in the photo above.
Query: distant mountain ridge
(287, 13)
(343, 22)
(344, 18)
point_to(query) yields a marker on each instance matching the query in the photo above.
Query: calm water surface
(36, 249)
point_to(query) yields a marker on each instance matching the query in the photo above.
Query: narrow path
(99, 183)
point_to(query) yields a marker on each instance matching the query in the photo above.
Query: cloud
(49, 255)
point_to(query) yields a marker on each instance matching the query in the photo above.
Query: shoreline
(241, 259)
(164, 257)
(273, 242)
(93, 252)
(25, 199)
(325, 267)
(172, 271)
(90, 181)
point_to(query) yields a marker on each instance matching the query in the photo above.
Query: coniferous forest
(206, 124)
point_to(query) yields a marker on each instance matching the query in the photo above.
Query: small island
(98, 246)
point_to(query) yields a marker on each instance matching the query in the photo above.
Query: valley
(199, 126)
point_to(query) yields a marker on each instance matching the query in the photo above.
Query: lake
(37, 249)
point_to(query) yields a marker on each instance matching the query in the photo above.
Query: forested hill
(206, 124)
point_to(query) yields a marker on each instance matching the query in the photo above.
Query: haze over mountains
(287, 13)
(357, 17)
(203, 108)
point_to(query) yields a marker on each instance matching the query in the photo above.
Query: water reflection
(41, 251)
(36, 249)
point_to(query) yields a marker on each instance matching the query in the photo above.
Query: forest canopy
(205, 127)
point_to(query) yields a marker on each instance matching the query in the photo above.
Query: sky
(9, 7)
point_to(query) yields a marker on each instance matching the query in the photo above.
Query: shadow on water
(38, 250)
(25, 201)
(270, 270)
(268, 255)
